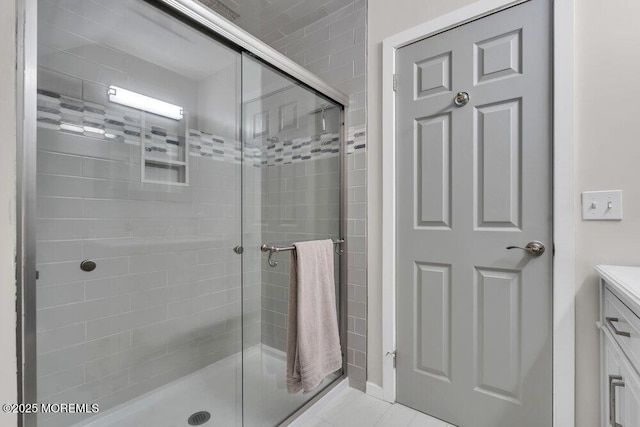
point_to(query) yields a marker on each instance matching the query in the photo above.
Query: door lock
(461, 99)
(238, 249)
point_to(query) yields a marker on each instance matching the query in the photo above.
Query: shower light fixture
(143, 102)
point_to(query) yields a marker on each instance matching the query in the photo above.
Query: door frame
(563, 279)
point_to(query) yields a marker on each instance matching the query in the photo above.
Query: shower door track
(26, 84)
(237, 36)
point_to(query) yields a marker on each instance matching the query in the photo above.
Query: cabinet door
(630, 394)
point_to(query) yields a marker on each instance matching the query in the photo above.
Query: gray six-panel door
(473, 317)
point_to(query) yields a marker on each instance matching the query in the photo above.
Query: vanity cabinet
(619, 324)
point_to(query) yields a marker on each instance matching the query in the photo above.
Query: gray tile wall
(334, 48)
(300, 201)
(357, 269)
(329, 40)
(164, 300)
(252, 275)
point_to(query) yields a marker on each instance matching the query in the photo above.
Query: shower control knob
(238, 249)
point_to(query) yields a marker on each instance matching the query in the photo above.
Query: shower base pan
(215, 389)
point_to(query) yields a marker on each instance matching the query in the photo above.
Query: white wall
(8, 385)
(384, 21)
(607, 154)
(607, 157)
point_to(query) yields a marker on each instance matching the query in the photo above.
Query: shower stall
(162, 147)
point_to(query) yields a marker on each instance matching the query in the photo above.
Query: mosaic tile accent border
(356, 139)
(207, 145)
(66, 114)
(274, 151)
(161, 142)
(300, 149)
(75, 116)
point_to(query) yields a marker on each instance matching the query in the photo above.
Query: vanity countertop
(624, 281)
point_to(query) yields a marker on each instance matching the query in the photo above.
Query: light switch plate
(602, 205)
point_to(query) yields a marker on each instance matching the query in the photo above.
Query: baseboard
(374, 390)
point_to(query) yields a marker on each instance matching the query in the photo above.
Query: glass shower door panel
(138, 209)
(291, 193)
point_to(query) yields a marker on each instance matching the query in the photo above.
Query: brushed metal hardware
(610, 321)
(534, 247)
(614, 382)
(271, 249)
(238, 249)
(394, 355)
(88, 265)
(461, 99)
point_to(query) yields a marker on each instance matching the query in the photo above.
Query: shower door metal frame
(26, 274)
(26, 79)
(239, 37)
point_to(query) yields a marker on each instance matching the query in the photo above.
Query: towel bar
(272, 249)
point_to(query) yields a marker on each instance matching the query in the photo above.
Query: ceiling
(271, 20)
(103, 30)
(98, 31)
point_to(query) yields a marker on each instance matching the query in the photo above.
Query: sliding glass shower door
(138, 209)
(291, 192)
(165, 159)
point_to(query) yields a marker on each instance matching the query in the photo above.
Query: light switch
(602, 205)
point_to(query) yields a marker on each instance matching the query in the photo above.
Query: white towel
(313, 343)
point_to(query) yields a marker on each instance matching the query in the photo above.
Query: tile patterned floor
(352, 408)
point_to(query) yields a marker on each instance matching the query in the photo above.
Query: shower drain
(199, 418)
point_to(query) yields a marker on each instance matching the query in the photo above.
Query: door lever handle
(534, 247)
